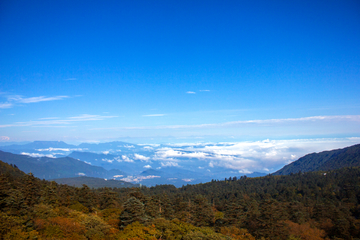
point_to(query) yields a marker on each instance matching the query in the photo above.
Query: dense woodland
(313, 205)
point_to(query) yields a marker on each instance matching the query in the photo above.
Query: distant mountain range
(92, 182)
(142, 164)
(117, 160)
(324, 161)
(60, 147)
(50, 168)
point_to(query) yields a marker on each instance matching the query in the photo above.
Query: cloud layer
(246, 157)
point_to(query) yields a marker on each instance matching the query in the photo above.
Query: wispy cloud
(6, 105)
(204, 90)
(19, 99)
(4, 138)
(169, 164)
(13, 100)
(88, 117)
(154, 115)
(190, 92)
(349, 118)
(70, 79)
(61, 122)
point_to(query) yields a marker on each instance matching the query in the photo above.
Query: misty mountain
(324, 161)
(108, 161)
(39, 147)
(61, 149)
(93, 182)
(50, 168)
(116, 146)
(148, 165)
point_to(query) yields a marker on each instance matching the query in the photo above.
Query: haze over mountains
(145, 164)
(177, 164)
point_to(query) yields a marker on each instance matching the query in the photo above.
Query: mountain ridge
(324, 161)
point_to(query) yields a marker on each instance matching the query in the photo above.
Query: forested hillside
(324, 161)
(314, 205)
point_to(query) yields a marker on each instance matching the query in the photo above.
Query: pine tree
(134, 211)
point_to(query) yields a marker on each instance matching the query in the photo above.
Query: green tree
(202, 214)
(133, 211)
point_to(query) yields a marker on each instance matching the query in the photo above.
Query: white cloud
(148, 148)
(245, 123)
(50, 149)
(169, 164)
(6, 105)
(88, 117)
(4, 138)
(13, 100)
(125, 159)
(190, 92)
(147, 166)
(20, 99)
(138, 178)
(107, 160)
(165, 153)
(188, 179)
(245, 171)
(38, 155)
(17, 99)
(52, 122)
(140, 157)
(204, 90)
(128, 146)
(267, 155)
(186, 144)
(149, 144)
(118, 176)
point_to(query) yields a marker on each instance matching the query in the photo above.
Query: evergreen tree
(134, 211)
(202, 214)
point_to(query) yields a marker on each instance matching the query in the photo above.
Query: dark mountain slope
(324, 161)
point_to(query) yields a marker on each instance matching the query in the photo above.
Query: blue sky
(172, 71)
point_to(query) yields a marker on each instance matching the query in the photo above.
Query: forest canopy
(313, 205)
